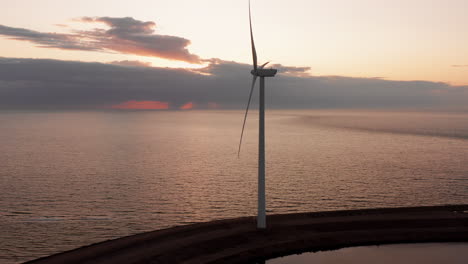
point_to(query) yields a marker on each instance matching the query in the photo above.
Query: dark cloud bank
(54, 84)
(124, 35)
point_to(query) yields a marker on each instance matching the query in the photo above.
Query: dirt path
(238, 240)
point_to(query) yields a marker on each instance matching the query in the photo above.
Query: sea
(69, 179)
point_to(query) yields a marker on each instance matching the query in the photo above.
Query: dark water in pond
(75, 178)
(433, 253)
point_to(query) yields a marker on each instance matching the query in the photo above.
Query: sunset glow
(398, 40)
(187, 106)
(333, 53)
(147, 123)
(142, 105)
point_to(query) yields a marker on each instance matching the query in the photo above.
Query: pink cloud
(125, 35)
(133, 63)
(187, 106)
(142, 105)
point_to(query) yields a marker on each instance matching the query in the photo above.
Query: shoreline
(238, 241)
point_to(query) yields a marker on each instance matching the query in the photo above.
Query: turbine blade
(263, 65)
(246, 111)
(254, 52)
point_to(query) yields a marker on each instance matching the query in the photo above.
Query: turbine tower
(262, 73)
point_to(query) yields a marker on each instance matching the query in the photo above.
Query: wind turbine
(262, 73)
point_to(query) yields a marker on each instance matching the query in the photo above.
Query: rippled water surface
(71, 179)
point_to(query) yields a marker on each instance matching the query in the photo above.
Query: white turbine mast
(262, 73)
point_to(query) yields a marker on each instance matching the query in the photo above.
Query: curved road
(238, 240)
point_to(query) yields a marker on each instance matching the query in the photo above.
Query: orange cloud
(142, 105)
(134, 63)
(187, 106)
(124, 35)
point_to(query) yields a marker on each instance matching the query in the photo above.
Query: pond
(429, 253)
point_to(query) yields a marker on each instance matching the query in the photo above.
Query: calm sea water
(71, 179)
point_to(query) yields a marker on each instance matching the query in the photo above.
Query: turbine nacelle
(264, 72)
(258, 71)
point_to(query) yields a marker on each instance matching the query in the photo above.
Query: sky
(196, 54)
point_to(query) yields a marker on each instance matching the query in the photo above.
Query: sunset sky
(361, 40)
